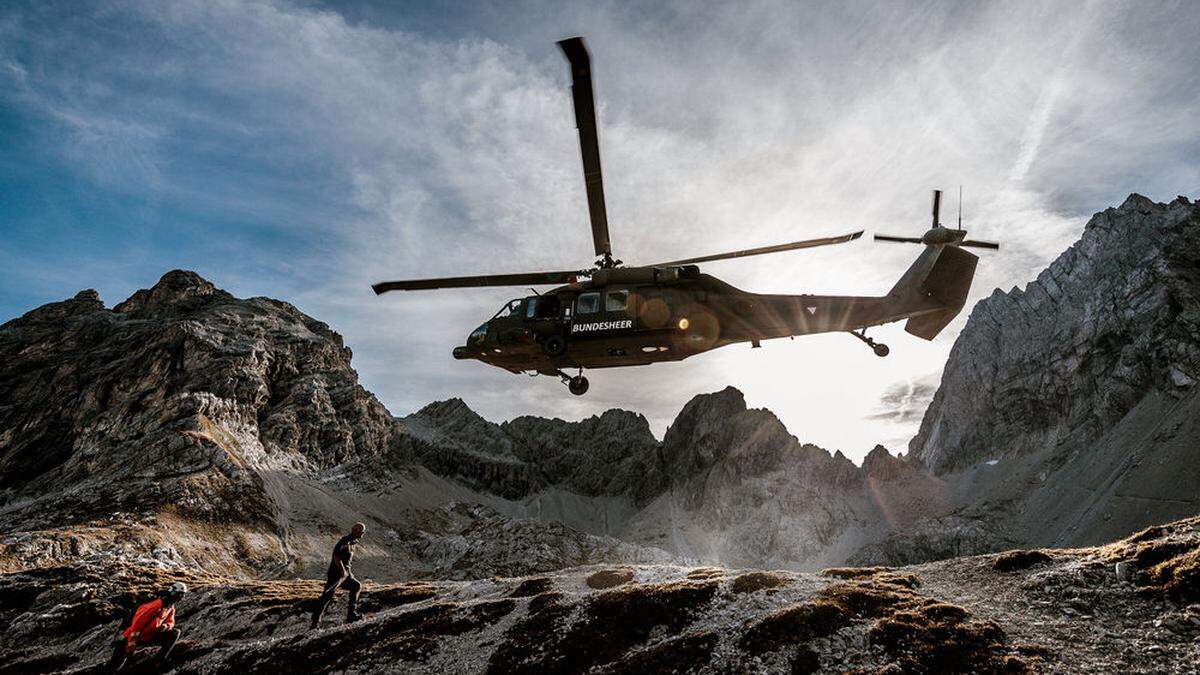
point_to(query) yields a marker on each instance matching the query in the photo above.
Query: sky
(304, 150)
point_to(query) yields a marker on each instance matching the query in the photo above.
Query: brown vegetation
(853, 572)
(869, 600)
(685, 654)
(1165, 558)
(531, 587)
(883, 575)
(609, 578)
(757, 581)
(1011, 561)
(525, 643)
(406, 636)
(936, 638)
(796, 624)
(1177, 577)
(923, 635)
(375, 599)
(612, 624)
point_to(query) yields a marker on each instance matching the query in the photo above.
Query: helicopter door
(542, 315)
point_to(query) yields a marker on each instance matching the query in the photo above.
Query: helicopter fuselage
(639, 316)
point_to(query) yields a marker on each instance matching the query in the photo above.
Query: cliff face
(1113, 319)
(1068, 413)
(613, 454)
(176, 396)
(744, 492)
(726, 484)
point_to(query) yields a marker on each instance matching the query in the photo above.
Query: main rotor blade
(589, 145)
(807, 243)
(905, 240)
(979, 244)
(521, 279)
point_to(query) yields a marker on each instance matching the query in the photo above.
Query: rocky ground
(1127, 607)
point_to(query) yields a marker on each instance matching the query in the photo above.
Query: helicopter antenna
(960, 206)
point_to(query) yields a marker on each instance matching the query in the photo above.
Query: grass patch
(796, 624)
(387, 597)
(412, 635)
(531, 639)
(1165, 558)
(870, 600)
(933, 639)
(686, 654)
(610, 578)
(610, 625)
(1011, 561)
(1178, 577)
(757, 581)
(853, 572)
(883, 575)
(702, 573)
(531, 587)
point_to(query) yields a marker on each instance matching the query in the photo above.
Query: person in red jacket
(153, 624)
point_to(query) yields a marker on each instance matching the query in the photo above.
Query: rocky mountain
(188, 426)
(611, 454)
(1068, 412)
(727, 484)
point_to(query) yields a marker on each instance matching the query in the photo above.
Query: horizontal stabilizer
(927, 326)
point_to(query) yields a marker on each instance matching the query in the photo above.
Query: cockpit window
(478, 335)
(513, 308)
(616, 301)
(531, 307)
(587, 303)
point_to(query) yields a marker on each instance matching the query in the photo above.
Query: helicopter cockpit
(512, 308)
(478, 335)
(542, 307)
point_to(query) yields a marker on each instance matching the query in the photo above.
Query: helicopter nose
(460, 352)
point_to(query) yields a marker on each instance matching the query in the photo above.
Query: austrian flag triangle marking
(811, 310)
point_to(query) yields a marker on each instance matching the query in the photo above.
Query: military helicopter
(612, 315)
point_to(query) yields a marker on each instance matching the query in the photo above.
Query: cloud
(285, 149)
(905, 402)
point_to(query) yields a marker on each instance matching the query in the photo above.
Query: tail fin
(937, 283)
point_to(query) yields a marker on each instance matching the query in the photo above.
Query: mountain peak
(88, 295)
(1138, 202)
(176, 291)
(882, 465)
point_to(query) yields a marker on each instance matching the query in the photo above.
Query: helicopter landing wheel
(555, 346)
(879, 348)
(578, 385)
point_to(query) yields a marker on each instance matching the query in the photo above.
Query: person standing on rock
(341, 576)
(153, 624)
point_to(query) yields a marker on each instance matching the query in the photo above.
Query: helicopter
(612, 315)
